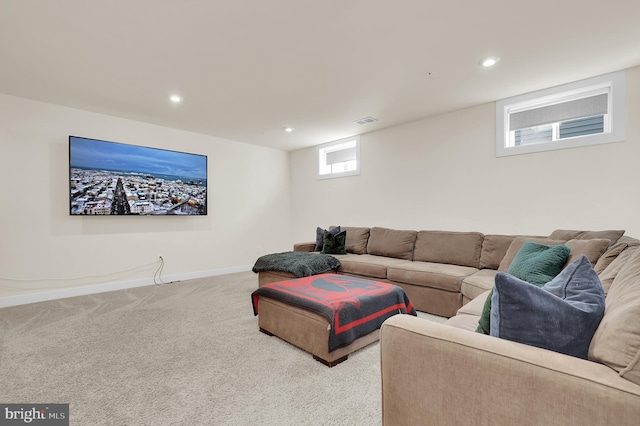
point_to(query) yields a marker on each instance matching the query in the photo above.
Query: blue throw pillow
(561, 316)
(534, 263)
(320, 236)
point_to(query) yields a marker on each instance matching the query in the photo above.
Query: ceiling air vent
(366, 120)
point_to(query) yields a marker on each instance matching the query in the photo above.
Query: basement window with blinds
(339, 158)
(586, 112)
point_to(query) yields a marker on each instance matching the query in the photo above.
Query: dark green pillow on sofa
(335, 244)
(534, 263)
(320, 236)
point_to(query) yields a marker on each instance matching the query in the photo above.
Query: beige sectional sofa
(470, 378)
(447, 373)
(443, 270)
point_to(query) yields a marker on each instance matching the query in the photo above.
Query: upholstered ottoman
(328, 315)
(268, 277)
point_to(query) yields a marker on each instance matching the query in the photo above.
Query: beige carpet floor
(177, 354)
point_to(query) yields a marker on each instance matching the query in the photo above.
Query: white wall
(436, 173)
(42, 248)
(442, 173)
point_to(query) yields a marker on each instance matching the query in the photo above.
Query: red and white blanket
(353, 306)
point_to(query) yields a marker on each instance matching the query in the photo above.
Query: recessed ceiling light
(489, 62)
(176, 99)
(288, 129)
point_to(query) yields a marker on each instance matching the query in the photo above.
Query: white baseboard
(43, 296)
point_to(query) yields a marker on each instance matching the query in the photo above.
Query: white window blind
(563, 111)
(341, 156)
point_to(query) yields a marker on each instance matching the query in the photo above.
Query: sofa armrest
(437, 374)
(308, 247)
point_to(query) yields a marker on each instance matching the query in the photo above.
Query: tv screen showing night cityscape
(110, 178)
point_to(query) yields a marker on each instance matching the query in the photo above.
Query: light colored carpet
(182, 353)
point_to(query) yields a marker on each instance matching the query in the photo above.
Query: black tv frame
(117, 179)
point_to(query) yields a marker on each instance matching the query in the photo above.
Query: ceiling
(247, 69)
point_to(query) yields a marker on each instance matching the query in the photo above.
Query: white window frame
(615, 119)
(321, 158)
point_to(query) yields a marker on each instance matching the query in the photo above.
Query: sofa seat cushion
(478, 283)
(616, 342)
(475, 306)
(427, 274)
(454, 248)
(465, 322)
(366, 265)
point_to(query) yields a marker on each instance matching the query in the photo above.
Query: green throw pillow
(534, 263)
(334, 244)
(484, 323)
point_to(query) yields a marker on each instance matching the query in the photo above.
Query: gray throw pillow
(320, 236)
(561, 316)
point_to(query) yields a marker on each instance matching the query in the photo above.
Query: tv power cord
(157, 277)
(158, 273)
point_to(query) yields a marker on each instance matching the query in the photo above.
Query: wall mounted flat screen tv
(110, 178)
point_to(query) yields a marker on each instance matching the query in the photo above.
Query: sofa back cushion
(613, 235)
(616, 342)
(515, 247)
(592, 248)
(609, 256)
(454, 248)
(391, 243)
(624, 246)
(613, 269)
(494, 248)
(564, 234)
(357, 239)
